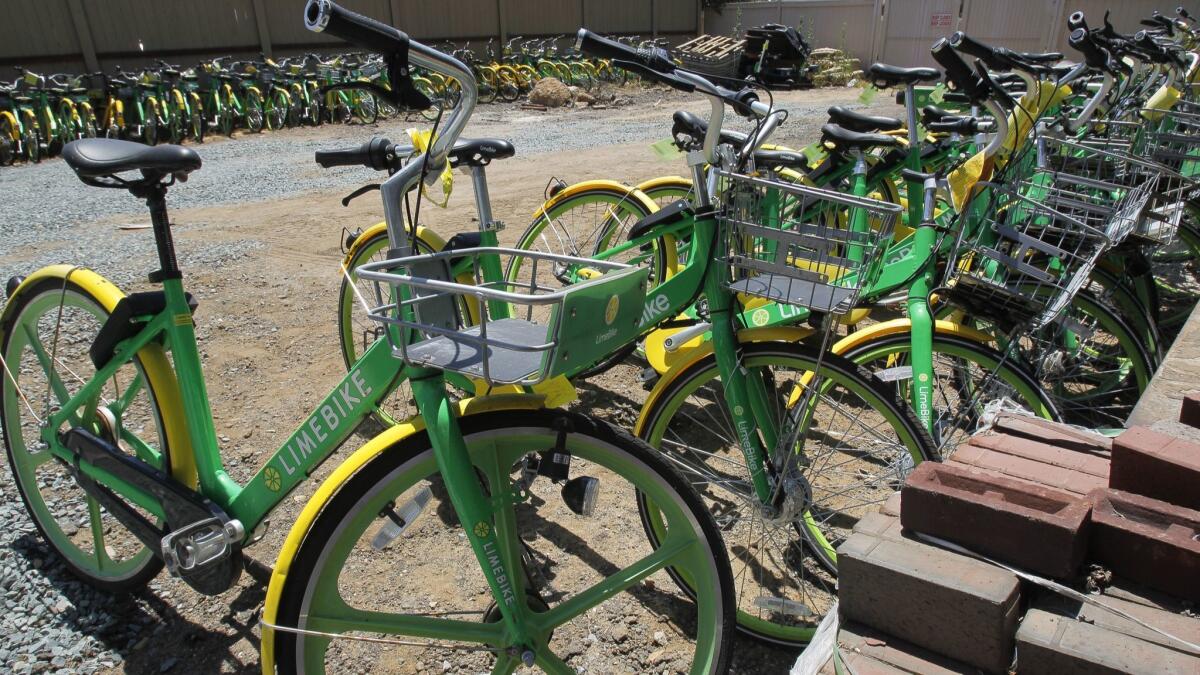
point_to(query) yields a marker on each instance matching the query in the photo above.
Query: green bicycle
(99, 424)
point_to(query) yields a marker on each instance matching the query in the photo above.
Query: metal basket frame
(767, 240)
(416, 285)
(1025, 271)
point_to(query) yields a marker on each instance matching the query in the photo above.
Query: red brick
(1189, 411)
(1173, 622)
(1146, 540)
(1029, 470)
(867, 650)
(1066, 458)
(1056, 645)
(962, 608)
(1033, 527)
(1054, 433)
(1156, 465)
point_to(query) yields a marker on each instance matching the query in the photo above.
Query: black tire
(408, 452)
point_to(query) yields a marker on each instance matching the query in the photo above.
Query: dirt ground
(267, 330)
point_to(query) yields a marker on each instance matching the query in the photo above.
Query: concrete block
(880, 525)
(892, 506)
(1149, 541)
(1150, 463)
(1053, 433)
(867, 650)
(1033, 527)
(1032, 471)
(950, 604)
(1045, 452)
(1050, 644)
(1189, 411)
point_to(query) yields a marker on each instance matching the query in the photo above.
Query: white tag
(894, 374)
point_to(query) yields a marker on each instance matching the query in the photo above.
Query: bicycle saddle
(844, 139)
(1047, 58)
(693, 126)
(779, 159)
(884, 76)
(848, 119)
(479, 151)
(100, 157)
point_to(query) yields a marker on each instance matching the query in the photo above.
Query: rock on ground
(551, 93)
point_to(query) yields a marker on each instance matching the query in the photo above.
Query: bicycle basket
(795, 244)
(1104, 188)
(520, 330)
(1018, 261)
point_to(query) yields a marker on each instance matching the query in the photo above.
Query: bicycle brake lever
(359, 192)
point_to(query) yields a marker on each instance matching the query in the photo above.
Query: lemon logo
(482, 529)
(610, 312)
(760, 317)
(738, 410)
(272, 478)
(923, 377)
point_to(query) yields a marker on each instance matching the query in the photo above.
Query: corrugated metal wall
(65, 34)
(901, 31)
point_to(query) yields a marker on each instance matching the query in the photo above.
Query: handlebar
(378, 153)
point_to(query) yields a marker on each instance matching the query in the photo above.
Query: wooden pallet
(714, 47)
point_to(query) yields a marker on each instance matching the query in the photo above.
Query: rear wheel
(46, 346)
(254, 112)
(32, 140)
(276, 111)
(150, 122)
(8, 146)
(579, 573)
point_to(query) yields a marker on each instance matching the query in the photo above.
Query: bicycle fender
(665, 181)
(691, 356)
(887, 328)
(372, 449)
(153, 359)
(602, 184)
(13, 126)
(426, 235)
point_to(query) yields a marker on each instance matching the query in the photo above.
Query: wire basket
(521, 330)
(798, 245)
(1018, 261)
(1106, 188)
(1172, 138)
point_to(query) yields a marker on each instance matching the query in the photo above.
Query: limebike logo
(653, 308)
(489, 549)
(334, 413)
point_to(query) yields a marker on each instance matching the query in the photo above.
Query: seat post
(155, 195)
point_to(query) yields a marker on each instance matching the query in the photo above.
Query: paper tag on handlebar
(666, 149)
(868, 94)
(939, 93)
(814, 153)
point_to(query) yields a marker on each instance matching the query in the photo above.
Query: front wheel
(583, 577)
(45, 342)
(854, 444)
(254, 112)
(8, 146)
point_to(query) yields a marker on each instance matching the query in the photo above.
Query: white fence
(900, 32)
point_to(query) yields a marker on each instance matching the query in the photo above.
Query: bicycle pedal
(200, 544)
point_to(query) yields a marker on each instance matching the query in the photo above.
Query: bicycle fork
(499, 556)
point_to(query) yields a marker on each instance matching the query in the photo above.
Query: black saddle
(844, 139)
(780, 159)
(479, 151)
(1046, 58)
(884, 76)
(695, 128)
(848, 119)
(100, 157)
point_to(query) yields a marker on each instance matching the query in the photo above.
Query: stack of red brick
(1046, 499)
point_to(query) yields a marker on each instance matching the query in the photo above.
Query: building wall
(74, 35)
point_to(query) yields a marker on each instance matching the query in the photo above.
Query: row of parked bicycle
(811, 324)
(39, 114)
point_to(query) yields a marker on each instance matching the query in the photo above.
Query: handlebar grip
(377, 153)
(960, 41)
(652, 57)
(1076, 21)
(329, 17)
(959, 75)
(1095, 55)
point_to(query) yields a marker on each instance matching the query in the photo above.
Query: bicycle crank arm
(202, 544)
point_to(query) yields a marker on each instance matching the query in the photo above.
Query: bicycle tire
(802, 533)
(30, 313)
(8, 149)
(316, 576)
